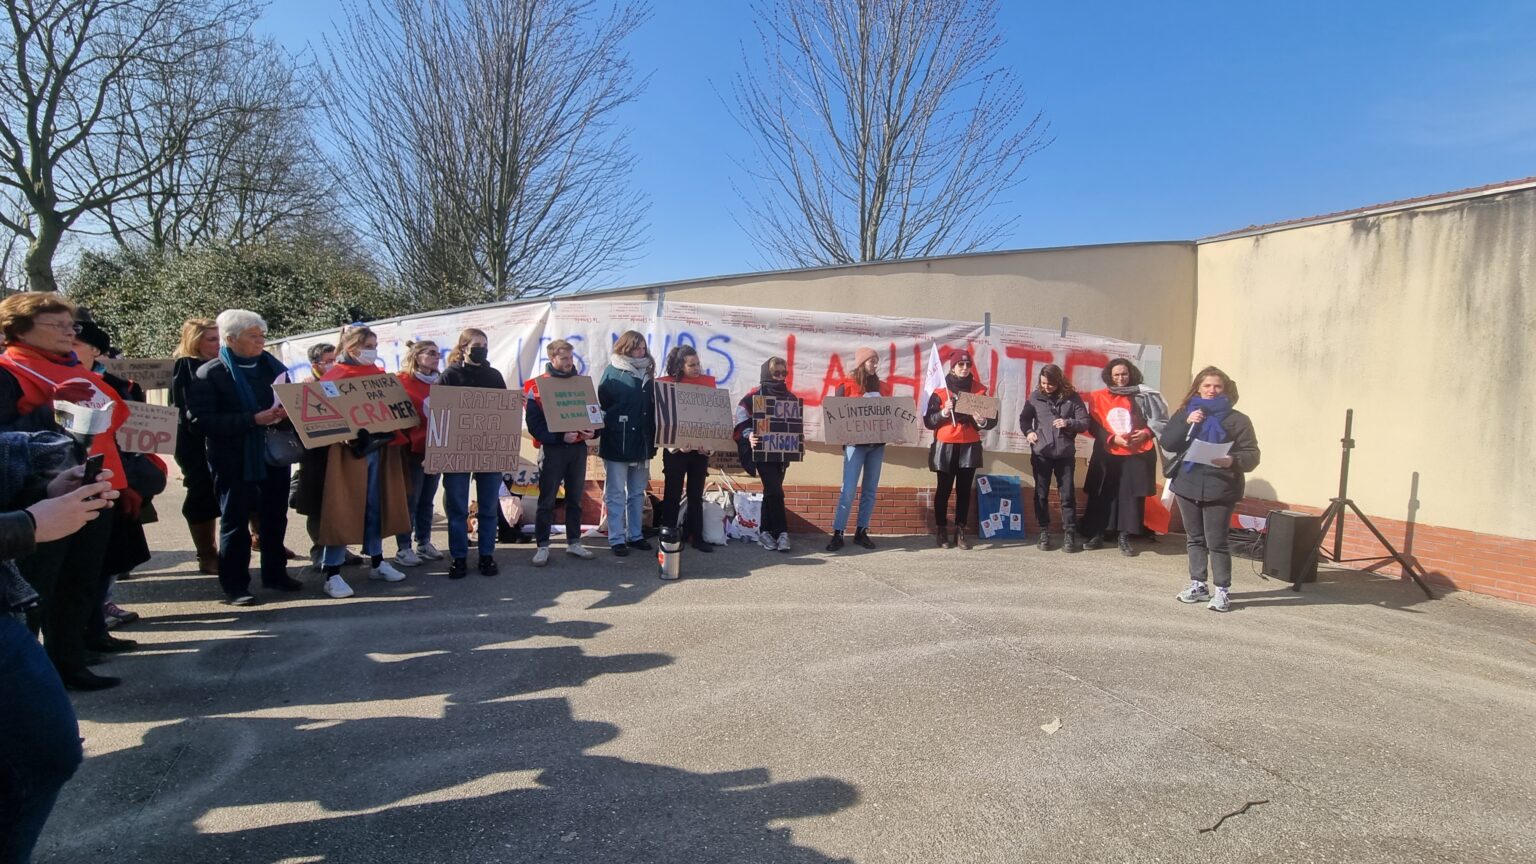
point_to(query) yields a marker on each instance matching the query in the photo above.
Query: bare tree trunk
(39, 260)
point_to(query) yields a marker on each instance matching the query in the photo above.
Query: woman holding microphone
(1209, 491)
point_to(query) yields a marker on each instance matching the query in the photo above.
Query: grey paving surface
(871, 706)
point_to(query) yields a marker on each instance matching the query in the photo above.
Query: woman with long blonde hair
(418, 372)
(199, 344)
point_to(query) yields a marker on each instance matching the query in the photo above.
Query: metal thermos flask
(669, 559)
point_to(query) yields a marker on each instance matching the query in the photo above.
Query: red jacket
(963, 428)
(418, 390)
(39, 373)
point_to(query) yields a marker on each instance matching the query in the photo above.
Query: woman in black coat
(1052, 419)
(1208, 492)
(199, 344)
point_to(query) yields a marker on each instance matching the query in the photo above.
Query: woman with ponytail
(1208, 493)
(469, 365)
(418, 372)
(956, 451)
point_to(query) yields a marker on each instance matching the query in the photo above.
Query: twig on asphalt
(1238, 812)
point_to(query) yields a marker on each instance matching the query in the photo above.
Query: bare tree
(248, 171)
(885, 129)
(478, 140)
(75, 73)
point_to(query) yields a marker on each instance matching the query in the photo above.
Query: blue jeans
(456, 502)
(373, 537)
(856, 457)
(420, 500)
(624, 495)
(40, 744)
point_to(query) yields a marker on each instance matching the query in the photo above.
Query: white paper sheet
(1204, 451)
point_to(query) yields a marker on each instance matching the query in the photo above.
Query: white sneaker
(407, 558)
(783, 544)
(1220, 603)
(578, 550)
(387, 572)
(337, 587)
(1195, 593)
(767, 541)
(541, 556)
(428, 552)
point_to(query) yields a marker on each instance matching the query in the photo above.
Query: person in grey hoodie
(1052, 419)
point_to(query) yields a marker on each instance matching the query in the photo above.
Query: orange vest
(39, 373)
(952, 432)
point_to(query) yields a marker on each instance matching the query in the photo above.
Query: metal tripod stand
(1338, 507)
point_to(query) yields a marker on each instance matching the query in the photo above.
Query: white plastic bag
(746, 524)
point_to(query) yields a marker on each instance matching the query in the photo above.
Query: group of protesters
(72, 522)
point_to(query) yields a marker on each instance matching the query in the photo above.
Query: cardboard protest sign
(377, 403)
(150, 373)
(317, 420)
(149, 429)
(869, 420)
(978, 406)
(473, 429)
(694, 417)
(780, 427)
(570, 404)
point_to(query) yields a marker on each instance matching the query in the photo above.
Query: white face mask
(368, 356)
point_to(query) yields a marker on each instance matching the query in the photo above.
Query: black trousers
(960, 482)
(682, 469)
(66, 575)
(1064, 470)
(238, 502)
(775, 521)
(565, 466)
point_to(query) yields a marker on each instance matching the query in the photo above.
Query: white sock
(1220, 589)
(1196, 586)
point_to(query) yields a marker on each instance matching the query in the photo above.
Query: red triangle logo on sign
(315, 408)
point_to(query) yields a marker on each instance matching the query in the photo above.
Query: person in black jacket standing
(564, 460)
(1208, 493)
(1053, 418)
(469, 366)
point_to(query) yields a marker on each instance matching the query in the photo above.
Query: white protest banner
(692, 417)
(869, 420)
(148, 429)
(473, 429)
(150, 373)
(733, 341)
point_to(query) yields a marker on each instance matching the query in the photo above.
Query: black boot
(861, 537)
(1069, 542)
(941, 536)
(1095, 541)
(836, 542)
(1045, 541)
(1125, 545)
(961, 540)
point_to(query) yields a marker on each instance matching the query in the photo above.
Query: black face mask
(477, 354)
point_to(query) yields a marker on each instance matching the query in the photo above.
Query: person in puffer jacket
(1052, 419)
(627, 393)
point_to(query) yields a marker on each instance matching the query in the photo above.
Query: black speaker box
(1290, 550)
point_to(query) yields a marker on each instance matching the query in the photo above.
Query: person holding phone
(1052, 418)
(956, 451)
(1208, 493)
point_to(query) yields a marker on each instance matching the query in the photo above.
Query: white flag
(933, 379)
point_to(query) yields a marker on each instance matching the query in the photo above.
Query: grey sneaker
(767, 541)
(541, 556)
(1195, 593)
(783, 544)
(1220, 602)
(578, 551)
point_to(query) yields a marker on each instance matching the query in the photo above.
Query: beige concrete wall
(1423, 321)
(1138, 292)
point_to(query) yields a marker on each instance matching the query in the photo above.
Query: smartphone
(92, 468)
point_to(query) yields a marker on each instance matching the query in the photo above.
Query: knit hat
(92, 335)
(863, 354)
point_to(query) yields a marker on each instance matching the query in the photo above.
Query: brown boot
(961, 541)
(941, 536)
(205, 541)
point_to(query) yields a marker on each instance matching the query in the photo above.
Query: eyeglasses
(60, 326)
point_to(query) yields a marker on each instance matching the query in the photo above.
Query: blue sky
(1171, 120)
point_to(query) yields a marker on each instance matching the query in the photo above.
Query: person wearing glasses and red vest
(956, 452)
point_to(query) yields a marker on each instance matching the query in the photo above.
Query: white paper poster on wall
(733, 342)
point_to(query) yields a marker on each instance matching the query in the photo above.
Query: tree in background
(75, 78)
(477, 142)
(885, 129)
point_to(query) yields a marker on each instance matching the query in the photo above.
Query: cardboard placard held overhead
(780, 426)
(570, 404)
(150, 373)
(694, 417)
(869, 420)
(977, 405)
(149, 429)
(473, 429)
(317, 420)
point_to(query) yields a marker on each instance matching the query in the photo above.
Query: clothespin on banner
(986, 324)
(1140, 349)
(1064, 320)
(661, 297)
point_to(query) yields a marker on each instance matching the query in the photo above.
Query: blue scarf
(255, 438)
(1209, 429)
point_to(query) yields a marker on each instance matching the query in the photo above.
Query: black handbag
(283, 447)
(367, 443)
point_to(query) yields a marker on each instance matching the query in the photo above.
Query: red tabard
(1118, 415)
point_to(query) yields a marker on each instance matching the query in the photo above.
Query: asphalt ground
(908, 704)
